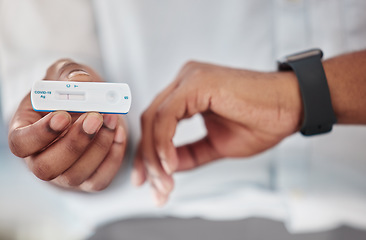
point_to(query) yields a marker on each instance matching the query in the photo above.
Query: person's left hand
(72, 150)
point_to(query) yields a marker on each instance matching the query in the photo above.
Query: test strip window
(75, 96)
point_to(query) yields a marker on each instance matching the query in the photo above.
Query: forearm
(346, 75)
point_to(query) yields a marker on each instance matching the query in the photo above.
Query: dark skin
(75, 151)
(245, 113)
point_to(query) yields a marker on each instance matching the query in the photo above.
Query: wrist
(319, 115)
(289, 98)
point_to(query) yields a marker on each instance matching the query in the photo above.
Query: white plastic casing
(47, 96)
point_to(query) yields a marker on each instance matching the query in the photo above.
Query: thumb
(27, 136)
(196, 154)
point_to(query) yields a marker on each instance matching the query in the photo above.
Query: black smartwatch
(319, 116)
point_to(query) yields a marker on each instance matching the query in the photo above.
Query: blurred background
(302, 186)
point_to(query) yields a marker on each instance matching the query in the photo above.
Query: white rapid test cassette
(112, 98)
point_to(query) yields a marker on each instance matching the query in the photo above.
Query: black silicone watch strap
(319, 116)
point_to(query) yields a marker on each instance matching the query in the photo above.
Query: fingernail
(92, 123)
(164, 163)
(87, 187)
(160, 185)
(110, 121)
(59, 121)
(166, 166)
(135, 178)
(120, 135)
(158, 199)
(78, 73)
(151, 171)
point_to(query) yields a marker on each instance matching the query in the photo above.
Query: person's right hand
(245, 113)
(77, 151)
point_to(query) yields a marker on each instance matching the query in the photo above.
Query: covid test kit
(111, 98)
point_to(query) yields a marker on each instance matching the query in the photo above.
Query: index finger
(183, 102)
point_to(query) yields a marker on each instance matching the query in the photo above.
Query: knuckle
(145, 117)
(104, 143)
(43, 171)
(16, 148)
(74, 146)
(195, 72)
(160, 112)
(190, 64)
(159, 122)
(198, 73)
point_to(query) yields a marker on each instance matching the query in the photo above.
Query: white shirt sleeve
(34, 34)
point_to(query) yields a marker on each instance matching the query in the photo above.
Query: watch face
(305, 54)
